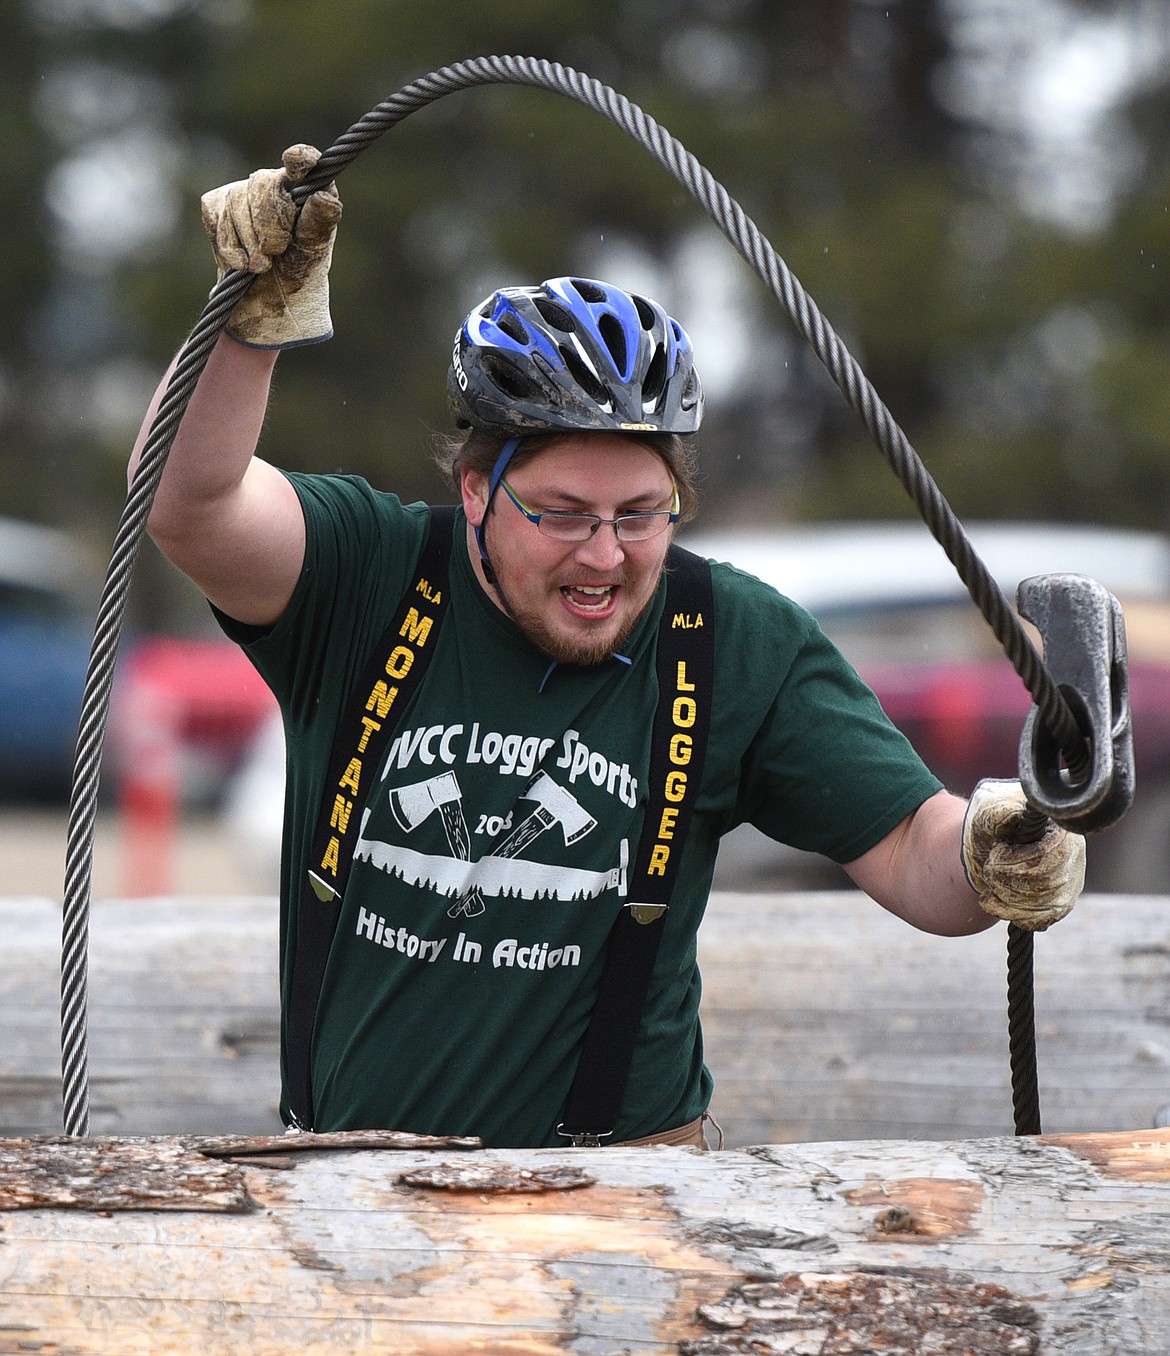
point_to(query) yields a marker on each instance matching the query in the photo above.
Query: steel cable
(1022, 1031)
(739, 229)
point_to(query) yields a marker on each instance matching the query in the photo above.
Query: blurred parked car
(201, 698)
(889, 597)
(44, 651)
(891, 600)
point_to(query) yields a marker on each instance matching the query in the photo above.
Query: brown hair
(478, 450)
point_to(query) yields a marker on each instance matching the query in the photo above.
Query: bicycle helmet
(573, 354)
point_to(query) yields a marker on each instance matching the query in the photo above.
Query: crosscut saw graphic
(503, 873)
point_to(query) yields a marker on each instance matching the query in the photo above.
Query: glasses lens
(568, 526)
(641, 526)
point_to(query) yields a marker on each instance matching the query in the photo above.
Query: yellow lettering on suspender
(416, 629)
(398, 665)
(368, 727)
(658, 859)
(330, 860)
(339, 815)
(381, 699)
(675, 786)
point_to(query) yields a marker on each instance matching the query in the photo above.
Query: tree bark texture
(230, 1244)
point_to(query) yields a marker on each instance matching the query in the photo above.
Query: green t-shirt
(498, 835)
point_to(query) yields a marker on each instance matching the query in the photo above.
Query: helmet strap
(493, 484)
(506, 453)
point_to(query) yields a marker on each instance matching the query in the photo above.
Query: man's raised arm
(228, 520)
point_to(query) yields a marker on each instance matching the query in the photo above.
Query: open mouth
(590, 599)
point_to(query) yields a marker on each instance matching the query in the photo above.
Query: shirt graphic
(551, 809)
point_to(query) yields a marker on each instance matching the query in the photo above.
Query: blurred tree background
(975, 192)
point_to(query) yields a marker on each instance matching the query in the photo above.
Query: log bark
(1054, 1245)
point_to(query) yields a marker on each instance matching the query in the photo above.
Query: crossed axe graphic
(411, 805)
(554, 805)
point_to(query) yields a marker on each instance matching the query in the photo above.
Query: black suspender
(390, 678)
(686, 667)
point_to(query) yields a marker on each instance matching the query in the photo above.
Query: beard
(583, 652)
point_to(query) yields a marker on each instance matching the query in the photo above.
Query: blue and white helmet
(573, 354)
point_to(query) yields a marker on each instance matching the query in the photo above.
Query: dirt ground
(196, 858)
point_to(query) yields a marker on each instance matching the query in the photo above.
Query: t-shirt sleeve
(822, 767)
(360, 546)
(832, 773)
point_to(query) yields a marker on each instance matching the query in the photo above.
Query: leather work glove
(255, 225)
(1030, 884)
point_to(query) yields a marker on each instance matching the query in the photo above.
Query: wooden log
(1054, 1245)
(183, 1034)
(825, 1019)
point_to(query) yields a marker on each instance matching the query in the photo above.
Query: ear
(473, 486)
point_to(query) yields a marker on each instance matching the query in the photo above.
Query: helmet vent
(655, 379)
(584, 376)
(614, 336)
(506, 377)
(555, 315)
(512, 326)
(590, 291)
(646, 312)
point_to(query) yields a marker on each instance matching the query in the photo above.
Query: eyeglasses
(563, 525)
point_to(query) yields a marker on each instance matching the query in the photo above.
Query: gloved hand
(254, 225)
(1030, 884)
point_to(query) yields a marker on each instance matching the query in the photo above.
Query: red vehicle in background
(184, 712)
(202, 694)
(890, 599)
(184, 715)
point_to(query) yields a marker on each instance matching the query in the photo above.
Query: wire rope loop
(752, 245)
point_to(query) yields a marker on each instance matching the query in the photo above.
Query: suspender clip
(321, 888)
(583, 1139)
(646, 913)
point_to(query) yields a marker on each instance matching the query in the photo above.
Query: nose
(602, 551)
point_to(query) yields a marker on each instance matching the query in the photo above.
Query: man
(496, 835)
